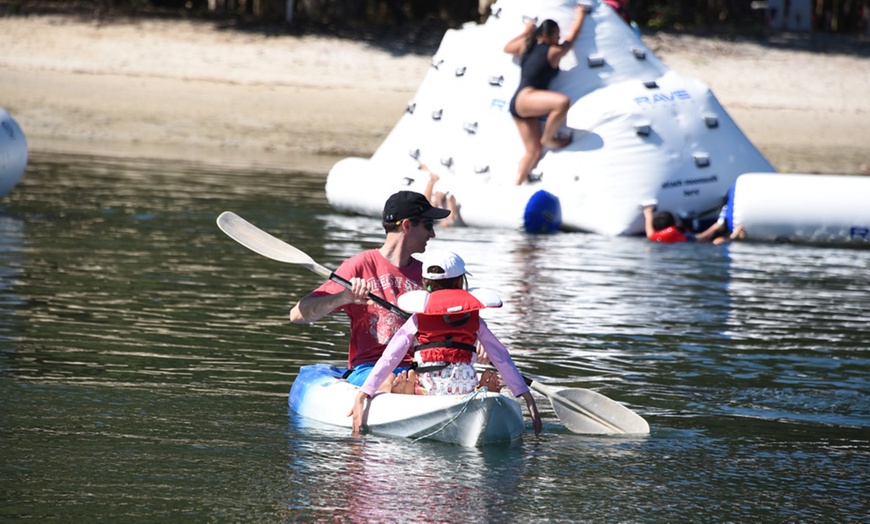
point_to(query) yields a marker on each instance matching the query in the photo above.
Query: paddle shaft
(269, 246)
(371, 296)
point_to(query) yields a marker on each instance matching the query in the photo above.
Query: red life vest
(447, 328)
(668, 235)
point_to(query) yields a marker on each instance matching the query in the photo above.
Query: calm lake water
(145, 360)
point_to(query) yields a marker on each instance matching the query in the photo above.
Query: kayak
(478, 418)
(481, 417)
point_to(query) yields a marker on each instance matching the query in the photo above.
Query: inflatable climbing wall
(640, 131)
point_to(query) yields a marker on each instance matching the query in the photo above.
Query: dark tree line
(827, 16)
(839, 16)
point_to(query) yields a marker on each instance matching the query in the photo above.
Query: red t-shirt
(372, 326)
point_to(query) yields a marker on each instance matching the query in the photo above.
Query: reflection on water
(371, 479)
(145, 360)
(11, 236)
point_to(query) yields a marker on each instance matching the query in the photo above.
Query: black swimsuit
(536, 72)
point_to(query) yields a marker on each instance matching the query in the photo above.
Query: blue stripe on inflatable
(543, 213)
(729, 207)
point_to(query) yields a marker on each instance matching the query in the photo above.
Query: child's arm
(503, 362)
(393, 354)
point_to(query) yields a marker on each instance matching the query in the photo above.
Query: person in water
(441, 199)
(442, 334)
(661, 226)
(540, 51)
(409, 223)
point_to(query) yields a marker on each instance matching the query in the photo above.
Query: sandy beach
(191, 90)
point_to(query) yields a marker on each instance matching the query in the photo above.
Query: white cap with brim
(450, 262)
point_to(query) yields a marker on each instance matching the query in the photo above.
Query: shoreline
(180, 89)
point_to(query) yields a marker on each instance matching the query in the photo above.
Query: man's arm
(314, 307)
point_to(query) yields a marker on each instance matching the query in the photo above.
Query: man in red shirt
(389, 271)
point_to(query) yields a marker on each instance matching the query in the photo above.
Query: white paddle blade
(263, 243)
(585, 411)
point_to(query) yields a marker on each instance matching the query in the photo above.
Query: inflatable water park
(13, 152)
(640, 132)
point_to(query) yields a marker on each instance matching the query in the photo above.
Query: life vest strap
(449, 344)
(457, 322)
(427, 369)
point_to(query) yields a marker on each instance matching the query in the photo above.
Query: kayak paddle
(580, 410)
(585, 411)
(263, 243)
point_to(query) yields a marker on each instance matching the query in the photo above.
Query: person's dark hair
(446, 283)
(547, 27)
(392, 227)
(663, 220)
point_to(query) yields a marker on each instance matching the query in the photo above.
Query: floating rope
(467, 400)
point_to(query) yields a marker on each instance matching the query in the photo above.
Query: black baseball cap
(410, 204)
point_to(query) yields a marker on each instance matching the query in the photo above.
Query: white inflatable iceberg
(640, 132)
(13, 152)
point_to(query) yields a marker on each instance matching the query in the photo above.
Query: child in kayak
(443, 332)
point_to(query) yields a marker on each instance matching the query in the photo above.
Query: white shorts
(455, 379)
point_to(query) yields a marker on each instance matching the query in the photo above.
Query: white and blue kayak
(479, 418)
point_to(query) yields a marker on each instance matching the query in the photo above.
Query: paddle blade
(265, 244)
(585, 411)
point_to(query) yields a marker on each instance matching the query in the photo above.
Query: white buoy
(13, 152)
(812, 209)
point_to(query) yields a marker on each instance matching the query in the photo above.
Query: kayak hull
(476, 419)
